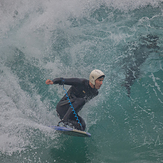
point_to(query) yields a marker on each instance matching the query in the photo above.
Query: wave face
(48, 39)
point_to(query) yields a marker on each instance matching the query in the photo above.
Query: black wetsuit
(79, 93)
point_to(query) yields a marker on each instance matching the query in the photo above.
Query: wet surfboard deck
(71, 132)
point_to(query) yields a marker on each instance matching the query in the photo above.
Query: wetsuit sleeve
(67, 81)
(58, 81)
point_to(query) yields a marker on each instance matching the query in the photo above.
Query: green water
(43, 40)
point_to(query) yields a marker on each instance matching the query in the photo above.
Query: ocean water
(61, 38)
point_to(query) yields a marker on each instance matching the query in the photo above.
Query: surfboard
(71, 131)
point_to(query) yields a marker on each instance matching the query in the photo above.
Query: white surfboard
(71, 132)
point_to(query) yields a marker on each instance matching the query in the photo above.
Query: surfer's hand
(48, 81)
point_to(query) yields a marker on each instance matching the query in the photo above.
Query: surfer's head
(96, 78)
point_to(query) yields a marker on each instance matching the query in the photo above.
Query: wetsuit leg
(62, 108)
(66, 112)
(77, 106)
(76, 125)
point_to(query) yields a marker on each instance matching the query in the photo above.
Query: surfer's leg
(73, 123)
(76, 106)
(62, 108)
(66, 113)
(78, 124)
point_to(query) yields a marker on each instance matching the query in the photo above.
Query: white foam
(18, 119)
(29, 26)
(49, 13)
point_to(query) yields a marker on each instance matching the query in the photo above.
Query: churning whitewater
(47, 39)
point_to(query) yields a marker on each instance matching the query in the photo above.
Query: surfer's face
(98, 83)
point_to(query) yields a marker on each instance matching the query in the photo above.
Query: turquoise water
(48, 39)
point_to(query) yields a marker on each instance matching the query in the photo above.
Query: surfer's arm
(67, 81)
(54, 81)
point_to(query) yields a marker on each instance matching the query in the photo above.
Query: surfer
(80, 92)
